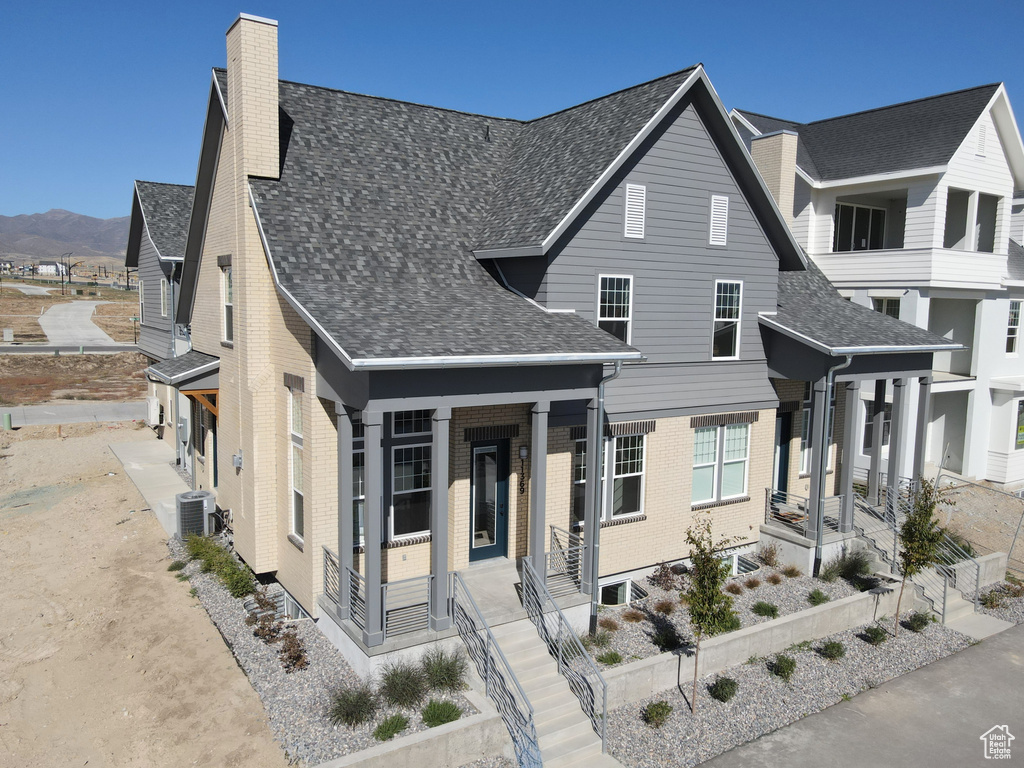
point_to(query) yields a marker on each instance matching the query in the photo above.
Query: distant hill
(31, 237)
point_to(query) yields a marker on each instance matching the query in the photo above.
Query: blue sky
(96, 94)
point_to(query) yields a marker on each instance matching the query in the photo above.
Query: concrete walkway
(31, 290)
(930, 718)
(75, 413)
(148, 464)
(88, 349)
(72, 324)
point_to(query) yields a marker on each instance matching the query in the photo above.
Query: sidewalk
(929, 718)
(148, 464)
(75, 413)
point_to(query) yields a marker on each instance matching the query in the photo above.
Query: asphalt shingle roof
(167, 208)
(899, 137)
(174, 368)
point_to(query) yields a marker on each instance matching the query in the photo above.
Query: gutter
(596, 536)
(861, 350)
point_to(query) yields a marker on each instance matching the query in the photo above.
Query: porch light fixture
(523, 453)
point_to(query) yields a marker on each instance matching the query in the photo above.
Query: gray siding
(155, 333)
(674, 272)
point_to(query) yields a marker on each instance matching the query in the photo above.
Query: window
(725, 342)
(636, 205)
(1013, 328)
(295, 430)
(295, 409)
(579, 481)
(869, 416)
(721, 456)
(890, 307)
(718, 229)
(358, 480)
(229, 307)
(412, 423)
(628, 476)
(615, 305)
(410, 502)
(1019, 439)
(805, 429)
(858, 228)
(142, 304)
(165, 297)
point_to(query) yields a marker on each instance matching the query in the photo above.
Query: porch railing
(356, 586)
(565, 557)
(406, 605)
(500, 683)
(794, 512)
(331, 578)
(574, 662)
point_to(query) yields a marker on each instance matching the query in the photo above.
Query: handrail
(566, 647)
(500, 682)
(571, 539)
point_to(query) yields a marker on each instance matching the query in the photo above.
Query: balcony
(913, 267)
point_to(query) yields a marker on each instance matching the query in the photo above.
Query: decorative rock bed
(1010, 608)
(765, 702)
(296, 702)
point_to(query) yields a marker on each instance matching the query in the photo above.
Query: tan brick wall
(775, 158)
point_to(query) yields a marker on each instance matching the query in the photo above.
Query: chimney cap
(250, 17)
(784, 131)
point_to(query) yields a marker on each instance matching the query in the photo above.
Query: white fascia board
(1006, 126)
(624, 155)
(805, 176)
(1013, 283)
(913, 173)
(859, 350)
(509, 253)
(735, 115)
(220, 99)
(469, 361)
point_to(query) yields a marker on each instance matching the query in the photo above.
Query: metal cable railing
(356, 586)
(500, 683)
(406, 605)
(574, 662)
(331, 579)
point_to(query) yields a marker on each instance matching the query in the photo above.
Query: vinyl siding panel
(674, 272)
(155, 332)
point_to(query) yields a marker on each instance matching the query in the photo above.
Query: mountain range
(31, 237)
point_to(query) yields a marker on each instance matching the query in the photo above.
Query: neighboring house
(156, 250)
(425, 328)
(907, 209)
(6, 267)
(50, 268)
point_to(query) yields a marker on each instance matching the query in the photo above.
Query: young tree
(920, 536)
(710, 608)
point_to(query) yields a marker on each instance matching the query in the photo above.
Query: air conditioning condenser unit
(195, 512)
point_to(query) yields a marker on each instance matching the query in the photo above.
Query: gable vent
(719, 220)
(636, 204)
(982, 136)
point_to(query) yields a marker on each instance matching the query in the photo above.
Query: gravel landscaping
(636, 640)
(1010, 608)
(764, 702)
(296, 702)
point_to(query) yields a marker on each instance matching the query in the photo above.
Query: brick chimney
(774, 154)
(252, 93)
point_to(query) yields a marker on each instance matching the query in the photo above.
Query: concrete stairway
(565, 734)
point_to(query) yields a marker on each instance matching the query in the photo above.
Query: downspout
(598, 500)
(822, 470)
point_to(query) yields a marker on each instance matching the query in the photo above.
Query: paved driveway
(72, 324)
(930, 718)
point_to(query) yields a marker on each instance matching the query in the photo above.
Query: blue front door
(488, 500)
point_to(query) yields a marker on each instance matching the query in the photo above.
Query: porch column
(897, 439)
(345, 493)
(538, 488)
(924, 418)
(819, 457)
(849, 456)
(592, 498)
(877, 425)
(373, 517)
(439, 618)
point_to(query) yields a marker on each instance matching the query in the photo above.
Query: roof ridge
(902, 103)
(165, 183)
(770, 117)
(615, 93)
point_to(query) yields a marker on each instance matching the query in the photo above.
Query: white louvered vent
(718, 234)
(982, 135)
(636, 204)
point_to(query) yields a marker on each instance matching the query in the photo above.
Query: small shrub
(610, 657)
(656, 713)
(632, 615)
(608, 623)
(782, 666)
(817, 597)
(265, 627)
(238, 579)
(917, 621)
(734, 588)
(769, 555)
(723, 689)
(663, 578)
(440, 712)
(961, 542)
(761, 608)
(791, 571)
(774, 578)
(729, 623)
(829, 572)
(852, 566)
(177, 565)
(445, 671)
(665, 606)
(215, 559)
(352, 705)
(752, 583)
(390, 727)
(874, 635)
(833, 650)
(293, 651)
(403, 684)
(991, 599)
(666, 639)
(599, 639)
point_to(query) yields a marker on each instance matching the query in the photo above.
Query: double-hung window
(1013, 327)
(869, 425)
(615, 306)
(725, 342)
(721, 458)
(229, 304)
(410, 501)
(627, 453)
(296, 470)
(805, 429)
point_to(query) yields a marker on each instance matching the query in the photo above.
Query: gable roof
(163, 211)
(923, 133)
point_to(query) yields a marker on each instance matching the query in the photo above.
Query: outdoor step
(558, 700)
(957, 608)
(541, 670)
(585, 761)
(526, 657)
(514, 629)
(558, 720)
(572, 743)
(541, 687)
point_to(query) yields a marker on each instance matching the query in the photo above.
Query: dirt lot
(105, 658)
(31, 379)
(20, 312)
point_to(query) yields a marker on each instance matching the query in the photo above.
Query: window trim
(1013, 330)
(629, 318)
(806, 416)
(142, 302)
(885, 303)
(404, 435)
(164, 299)
(629, 206)
(719, 464)
(391, 506)
(226, 286)
(865, 450)
(295, 444)
(738, 321)
(611, 447)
